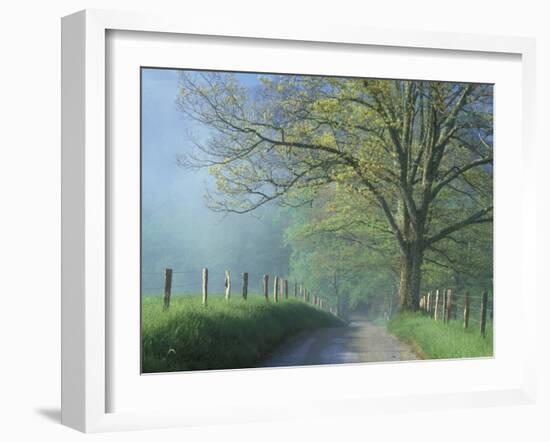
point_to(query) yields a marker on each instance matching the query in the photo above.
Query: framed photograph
(292, 222)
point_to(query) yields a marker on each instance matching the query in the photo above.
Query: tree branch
(473, 219)
(458, 172)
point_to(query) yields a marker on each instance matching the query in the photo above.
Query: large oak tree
(416, 155)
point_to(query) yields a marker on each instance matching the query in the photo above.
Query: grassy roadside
(436, 340)
(235, 334)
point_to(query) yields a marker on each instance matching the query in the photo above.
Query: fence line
(442, 305)
(280, 291)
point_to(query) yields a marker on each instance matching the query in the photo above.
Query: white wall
(30, 221)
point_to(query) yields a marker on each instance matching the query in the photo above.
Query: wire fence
(183, 282)
(474, 310)
(203, 281)
(189, 282)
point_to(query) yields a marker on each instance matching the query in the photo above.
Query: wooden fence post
(167, 288)
(276, 288)
(448, 306)
(285, 284)
(483, 313)
(227, 285)
(295, 289)
(443, 308)
(436, 307)
(429, 307)
(466, 309)
(445, 305)
(266, 287)
(245, 285)
(205, 286)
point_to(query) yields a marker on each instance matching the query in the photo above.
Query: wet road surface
(360, 341)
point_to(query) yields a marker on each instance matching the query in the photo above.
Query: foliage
(341, 254)
(223, 335)
(404, 166)
(437, 340)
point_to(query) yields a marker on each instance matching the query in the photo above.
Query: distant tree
(416, 154)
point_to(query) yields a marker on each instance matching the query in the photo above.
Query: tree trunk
(409, 282)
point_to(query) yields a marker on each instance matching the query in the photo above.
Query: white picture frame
(86, 203)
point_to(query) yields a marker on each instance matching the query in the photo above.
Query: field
(436, 340)
(223, 335)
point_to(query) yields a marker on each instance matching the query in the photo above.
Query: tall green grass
(436, 340)
(222, 335)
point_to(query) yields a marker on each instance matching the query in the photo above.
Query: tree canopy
(400, 169)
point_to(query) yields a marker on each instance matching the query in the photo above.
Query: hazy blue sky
(164, 136)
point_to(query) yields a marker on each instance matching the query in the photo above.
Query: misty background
(178, 230)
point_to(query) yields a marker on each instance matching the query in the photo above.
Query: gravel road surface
(360, 341)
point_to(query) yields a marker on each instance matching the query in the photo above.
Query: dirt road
(361, 341)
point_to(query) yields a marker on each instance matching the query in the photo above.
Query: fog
(179, 231)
